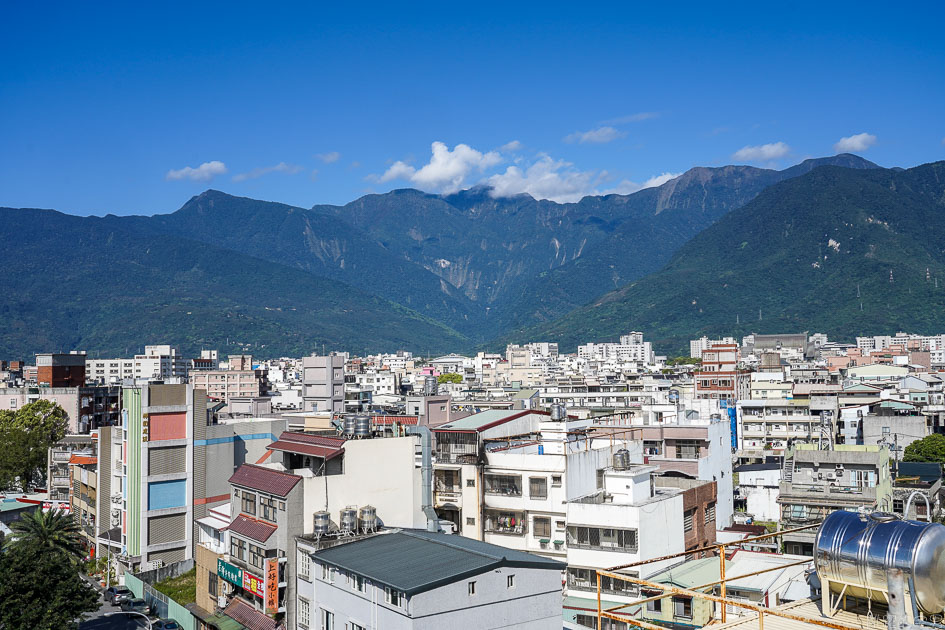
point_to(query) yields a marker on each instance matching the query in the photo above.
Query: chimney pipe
(426, 473)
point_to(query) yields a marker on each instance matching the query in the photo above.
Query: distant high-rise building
(323, 383)
(60, 369)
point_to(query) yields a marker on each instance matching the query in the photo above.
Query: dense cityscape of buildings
(398, 491)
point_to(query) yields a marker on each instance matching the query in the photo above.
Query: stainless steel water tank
(349, 519)
(367, 516)
(362, 425)
(349, 425)
(857, 550)
(559, 412)
(430, 386)
(322, 523)
(622, 459)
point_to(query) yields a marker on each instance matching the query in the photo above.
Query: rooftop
(483, 420)
(252, 528)
(415, 561)
(265, 479)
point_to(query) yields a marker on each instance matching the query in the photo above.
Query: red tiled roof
(308, 444)
(309, 438)
(83, 460)
(252, 528)
(306, 449)
(392, 419)
(265, 479)
(249, 616)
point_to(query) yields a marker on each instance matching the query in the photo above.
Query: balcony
(60, 482)
(61, 457)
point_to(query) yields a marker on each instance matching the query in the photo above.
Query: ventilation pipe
(426, 473)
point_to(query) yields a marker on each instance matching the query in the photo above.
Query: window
(305, 613)
(655, 606)
(328, 573)
(256, 556)
(509, 485)
(541, 527)
(328, 620)
(687, 449)
(471, 586)
(267, 508)
(682, 607)
(393, 596)
(710, 513)
(354, 626)
(602, 538)
(358, 583)
(305, 566)
(510, 581)
(555, 481)
(13, 403)
(898, 506)
(559, 526)
(470, 483)
(470, 520)
(687, 520)
(248, 505)
(212, 583)
(238, 548)
(537, 488)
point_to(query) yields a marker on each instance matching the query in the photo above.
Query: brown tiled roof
(327, 452)
(256, 529)
(249, 616)
(310, 438)
(83, 460)
(385, 420)
(265, 479)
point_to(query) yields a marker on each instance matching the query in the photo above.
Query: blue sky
(110, 108)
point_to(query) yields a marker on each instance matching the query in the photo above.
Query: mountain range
(434, 273)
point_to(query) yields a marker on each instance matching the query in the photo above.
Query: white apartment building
(419, 580)
(158, 362)
(696, 346)
(757, 491)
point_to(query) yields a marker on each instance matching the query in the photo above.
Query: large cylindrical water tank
(362, 426)
(857, 551)
(559, 412)
(349, 425)
(349, 519)
(622, 459)
(430, 386)
(322, 523)
(367, 516)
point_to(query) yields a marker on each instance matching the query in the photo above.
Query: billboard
(272, 585)
(233, 575)
(253, 583)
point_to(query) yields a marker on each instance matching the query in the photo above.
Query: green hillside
(795, 258)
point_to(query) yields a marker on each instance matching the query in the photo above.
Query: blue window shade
(167, 494)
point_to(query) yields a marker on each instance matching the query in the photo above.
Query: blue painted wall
(167, 494)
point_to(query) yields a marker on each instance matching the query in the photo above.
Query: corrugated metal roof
(83, 460)
(811, 610)
(310, 438)
(252, 528)
(691, 573)
(483, 419)
(265, 479)
(416, 561)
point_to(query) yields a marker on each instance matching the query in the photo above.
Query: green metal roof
(415, 561)
(690, 574)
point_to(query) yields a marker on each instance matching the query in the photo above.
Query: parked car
(114, 595)
(165, 624)
(135, 605)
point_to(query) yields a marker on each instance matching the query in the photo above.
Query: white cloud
(857, 142)
(659, 180)
(546, 178)
(626, 187)
(203, 173)
(447, 171)
(510, 147)
(281, 167)
(762, 152)
(328, 158)
(639, 116)
(600, 135)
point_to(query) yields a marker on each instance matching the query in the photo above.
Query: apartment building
(87, 408)
(224, 385)
(420, 580)
(60, 369)
(816, 482)
(58, 473)
(323, 383)
(719, 376)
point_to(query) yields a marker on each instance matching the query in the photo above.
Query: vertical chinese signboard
(272, 586)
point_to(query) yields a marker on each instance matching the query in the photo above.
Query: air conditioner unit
(830, 475)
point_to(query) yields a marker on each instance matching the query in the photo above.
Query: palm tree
(47, 531)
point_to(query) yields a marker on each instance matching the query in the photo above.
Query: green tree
(49, 532)
(450, 377)
(25, 438)
(929, 449)
(42, 590)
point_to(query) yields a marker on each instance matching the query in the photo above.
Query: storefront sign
(252, 583)
(272, 586)
(228, 572)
